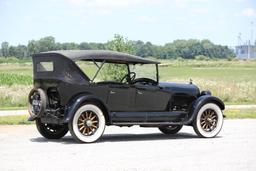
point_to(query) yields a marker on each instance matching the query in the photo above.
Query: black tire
(87, 124)
(170, 129)
(41, 98)
(51, 131)
(209, 121)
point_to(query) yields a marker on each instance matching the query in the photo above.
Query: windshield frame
(157, 71)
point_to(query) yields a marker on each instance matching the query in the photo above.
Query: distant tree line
(187, 49)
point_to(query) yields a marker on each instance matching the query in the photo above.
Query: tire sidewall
(49, 135)
(74, 127)
(197, 126)
(171, 129)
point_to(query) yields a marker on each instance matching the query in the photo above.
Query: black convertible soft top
(99, 56)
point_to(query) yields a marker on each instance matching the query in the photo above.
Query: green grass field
(232, 81)
(15, 120)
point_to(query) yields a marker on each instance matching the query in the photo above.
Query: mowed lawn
(232, 81)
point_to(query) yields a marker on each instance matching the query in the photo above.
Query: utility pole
(249, 50)
(250, 41)
(239, 39)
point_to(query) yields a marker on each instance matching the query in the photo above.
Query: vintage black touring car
(68, 96)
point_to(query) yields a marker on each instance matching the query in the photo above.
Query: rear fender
(78, 101)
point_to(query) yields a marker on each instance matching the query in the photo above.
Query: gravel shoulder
(135, 148)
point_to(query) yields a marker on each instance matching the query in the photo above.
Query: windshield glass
(144, 71)
(108, 72)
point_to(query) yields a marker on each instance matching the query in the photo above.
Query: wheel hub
(88, 123)
(208, 120)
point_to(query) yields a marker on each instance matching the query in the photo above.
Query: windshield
(144, 71)
(102, 72)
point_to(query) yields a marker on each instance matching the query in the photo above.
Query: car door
(150, 98)
(120, 98)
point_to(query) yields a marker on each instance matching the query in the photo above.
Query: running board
(148, 123)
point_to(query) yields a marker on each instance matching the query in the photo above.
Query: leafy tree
(120, 44)
(187, 49)
(69, 46)
(84, 46)
(19, 51)
(5, 49)
(46, 44)
(33, 47)
(202, 58)
(169, 51)
(97, 46)
(116, 71)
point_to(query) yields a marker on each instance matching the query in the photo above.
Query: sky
(157, 21)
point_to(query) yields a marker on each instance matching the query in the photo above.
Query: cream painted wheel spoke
(206, 120)
(88, 123)
(81, 128)
(93, 117)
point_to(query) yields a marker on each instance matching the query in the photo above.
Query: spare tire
(37, 101)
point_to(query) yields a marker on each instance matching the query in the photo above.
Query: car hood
(179, 88)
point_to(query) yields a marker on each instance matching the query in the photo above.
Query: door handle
(112, 92)
(139, 92)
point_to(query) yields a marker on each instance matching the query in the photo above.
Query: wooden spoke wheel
(209, 121)
(87, 124)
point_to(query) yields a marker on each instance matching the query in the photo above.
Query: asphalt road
(132, 149)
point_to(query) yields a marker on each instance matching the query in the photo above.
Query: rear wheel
(51, 131)
(88, 124)
(170, 129)
(209, 121)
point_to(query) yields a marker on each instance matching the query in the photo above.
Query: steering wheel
(129, 77)
(144, 81)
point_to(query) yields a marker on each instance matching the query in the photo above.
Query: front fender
(202, 100)
(76, 103)
(206, 99)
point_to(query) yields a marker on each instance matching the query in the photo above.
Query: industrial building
(245, 51)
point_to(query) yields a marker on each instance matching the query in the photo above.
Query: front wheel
(51, 131)
(88, 124)
(170, 129)
(209, 121)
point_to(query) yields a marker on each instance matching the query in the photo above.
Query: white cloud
(110, 4)
(186, 3)
(200, 10)
(146, 19)
(249, 12)
(239, 1)
(105, 7)
(192, 22)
